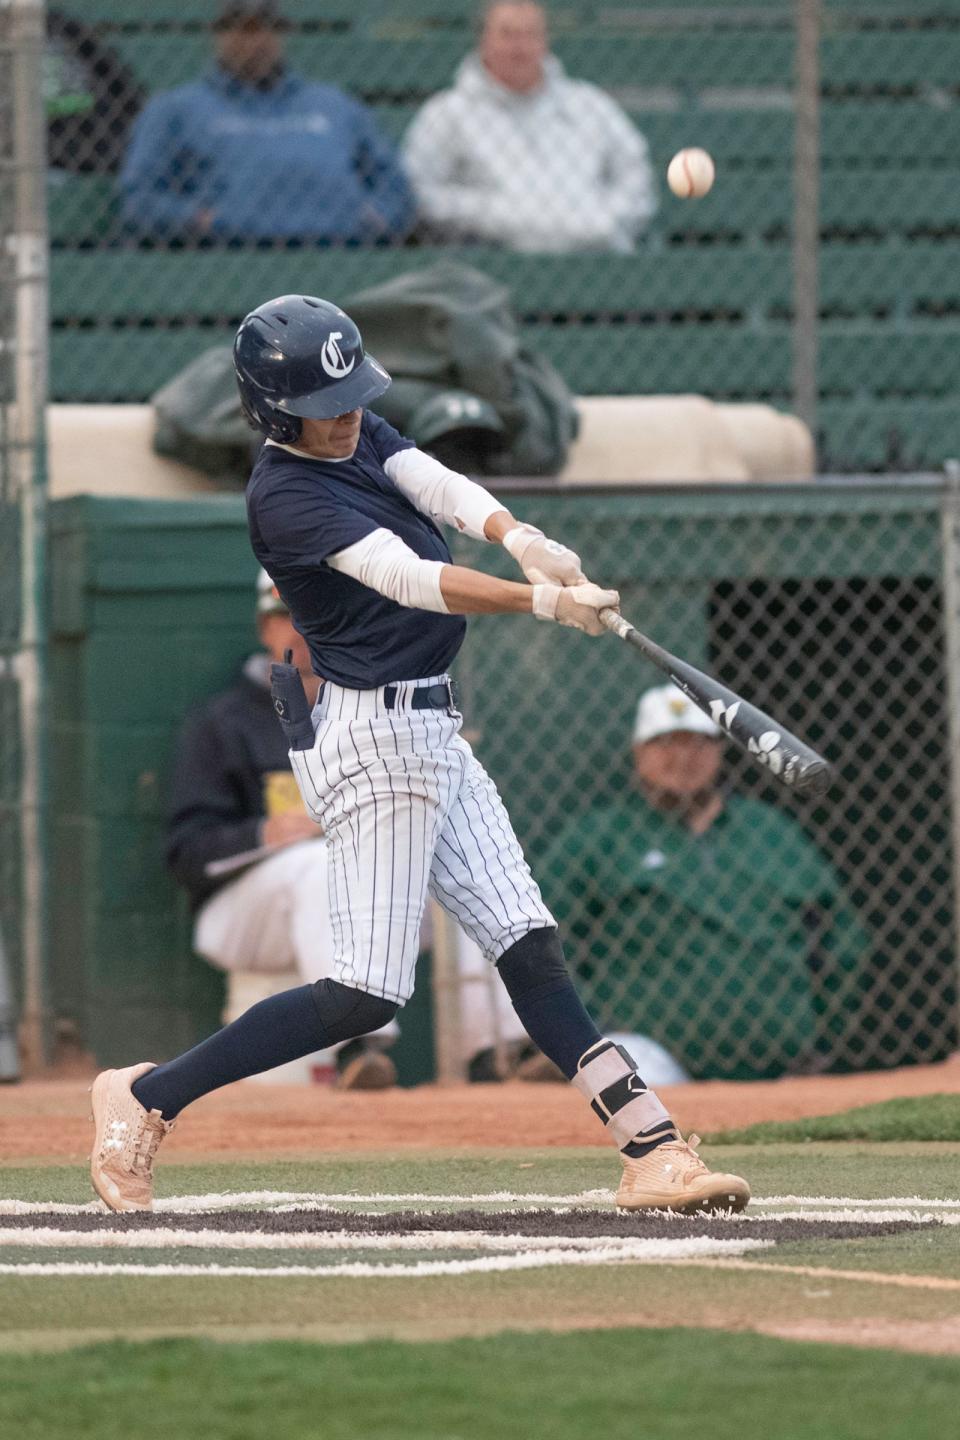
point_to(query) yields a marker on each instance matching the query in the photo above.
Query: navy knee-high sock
(555, 1018)
(282, 1028)
(543, 995)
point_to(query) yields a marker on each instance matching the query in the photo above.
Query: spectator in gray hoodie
(518, 154)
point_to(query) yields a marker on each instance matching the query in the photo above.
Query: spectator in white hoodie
(518, 154)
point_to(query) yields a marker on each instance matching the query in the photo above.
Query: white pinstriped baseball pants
(408, 809)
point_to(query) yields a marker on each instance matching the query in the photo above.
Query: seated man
(707, 919)
(496, 1047)
(233, 794)
(520, 155)
(254, 151)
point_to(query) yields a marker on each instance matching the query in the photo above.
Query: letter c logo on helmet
(300, 358)
(332, 358)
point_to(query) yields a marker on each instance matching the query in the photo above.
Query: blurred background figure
(266, 922)
(518, 154)
(255, 152)
(91, 96)
(495, 1045)
(707, 915)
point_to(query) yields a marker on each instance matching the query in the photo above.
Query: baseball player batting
(345, 515)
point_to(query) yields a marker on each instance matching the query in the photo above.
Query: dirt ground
(48, 1119)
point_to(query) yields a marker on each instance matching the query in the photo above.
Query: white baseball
(690, 173)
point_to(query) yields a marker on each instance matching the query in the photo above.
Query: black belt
(424, 697)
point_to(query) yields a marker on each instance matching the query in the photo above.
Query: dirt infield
(48, 1119)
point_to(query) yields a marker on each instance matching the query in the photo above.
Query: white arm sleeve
(441, 493)
(387, 564)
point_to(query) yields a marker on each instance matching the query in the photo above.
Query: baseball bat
(789, 759)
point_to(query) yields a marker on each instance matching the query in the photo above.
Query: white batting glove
(543, 561)
(576, 605)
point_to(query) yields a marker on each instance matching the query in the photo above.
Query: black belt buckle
(426, 697)
(434, 697)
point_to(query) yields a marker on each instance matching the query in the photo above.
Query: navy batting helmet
(300, 357)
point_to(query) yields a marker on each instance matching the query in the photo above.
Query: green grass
(929, 1117)
(666, 1385)
(470, 1172)
(50, 1312)
(867, 1170)
(916, 1252)
(54, 1313)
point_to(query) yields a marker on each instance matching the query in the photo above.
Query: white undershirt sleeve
(440, 493)
(386, 564)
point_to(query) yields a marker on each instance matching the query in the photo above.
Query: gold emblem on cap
(679, 706)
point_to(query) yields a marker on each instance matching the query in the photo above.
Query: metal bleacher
(704, 305)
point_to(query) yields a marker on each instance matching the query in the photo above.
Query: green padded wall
(151, 611)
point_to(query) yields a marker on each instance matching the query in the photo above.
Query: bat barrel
(792, 762)
(815, 778)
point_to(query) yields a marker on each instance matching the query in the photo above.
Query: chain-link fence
(749, 932)
(174, 210)
(195, 168)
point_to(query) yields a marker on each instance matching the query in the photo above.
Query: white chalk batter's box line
(558, 1252)
(326, 1240)
(509, 1252)
(424, 1240)
(313, 1200)
(840, 1208)
(727, 1259)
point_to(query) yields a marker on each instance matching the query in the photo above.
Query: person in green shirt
(705, 919)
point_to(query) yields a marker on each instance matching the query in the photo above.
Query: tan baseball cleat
(673, 1177)
(126, 1138)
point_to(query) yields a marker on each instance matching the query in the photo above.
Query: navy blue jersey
(300, 511)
